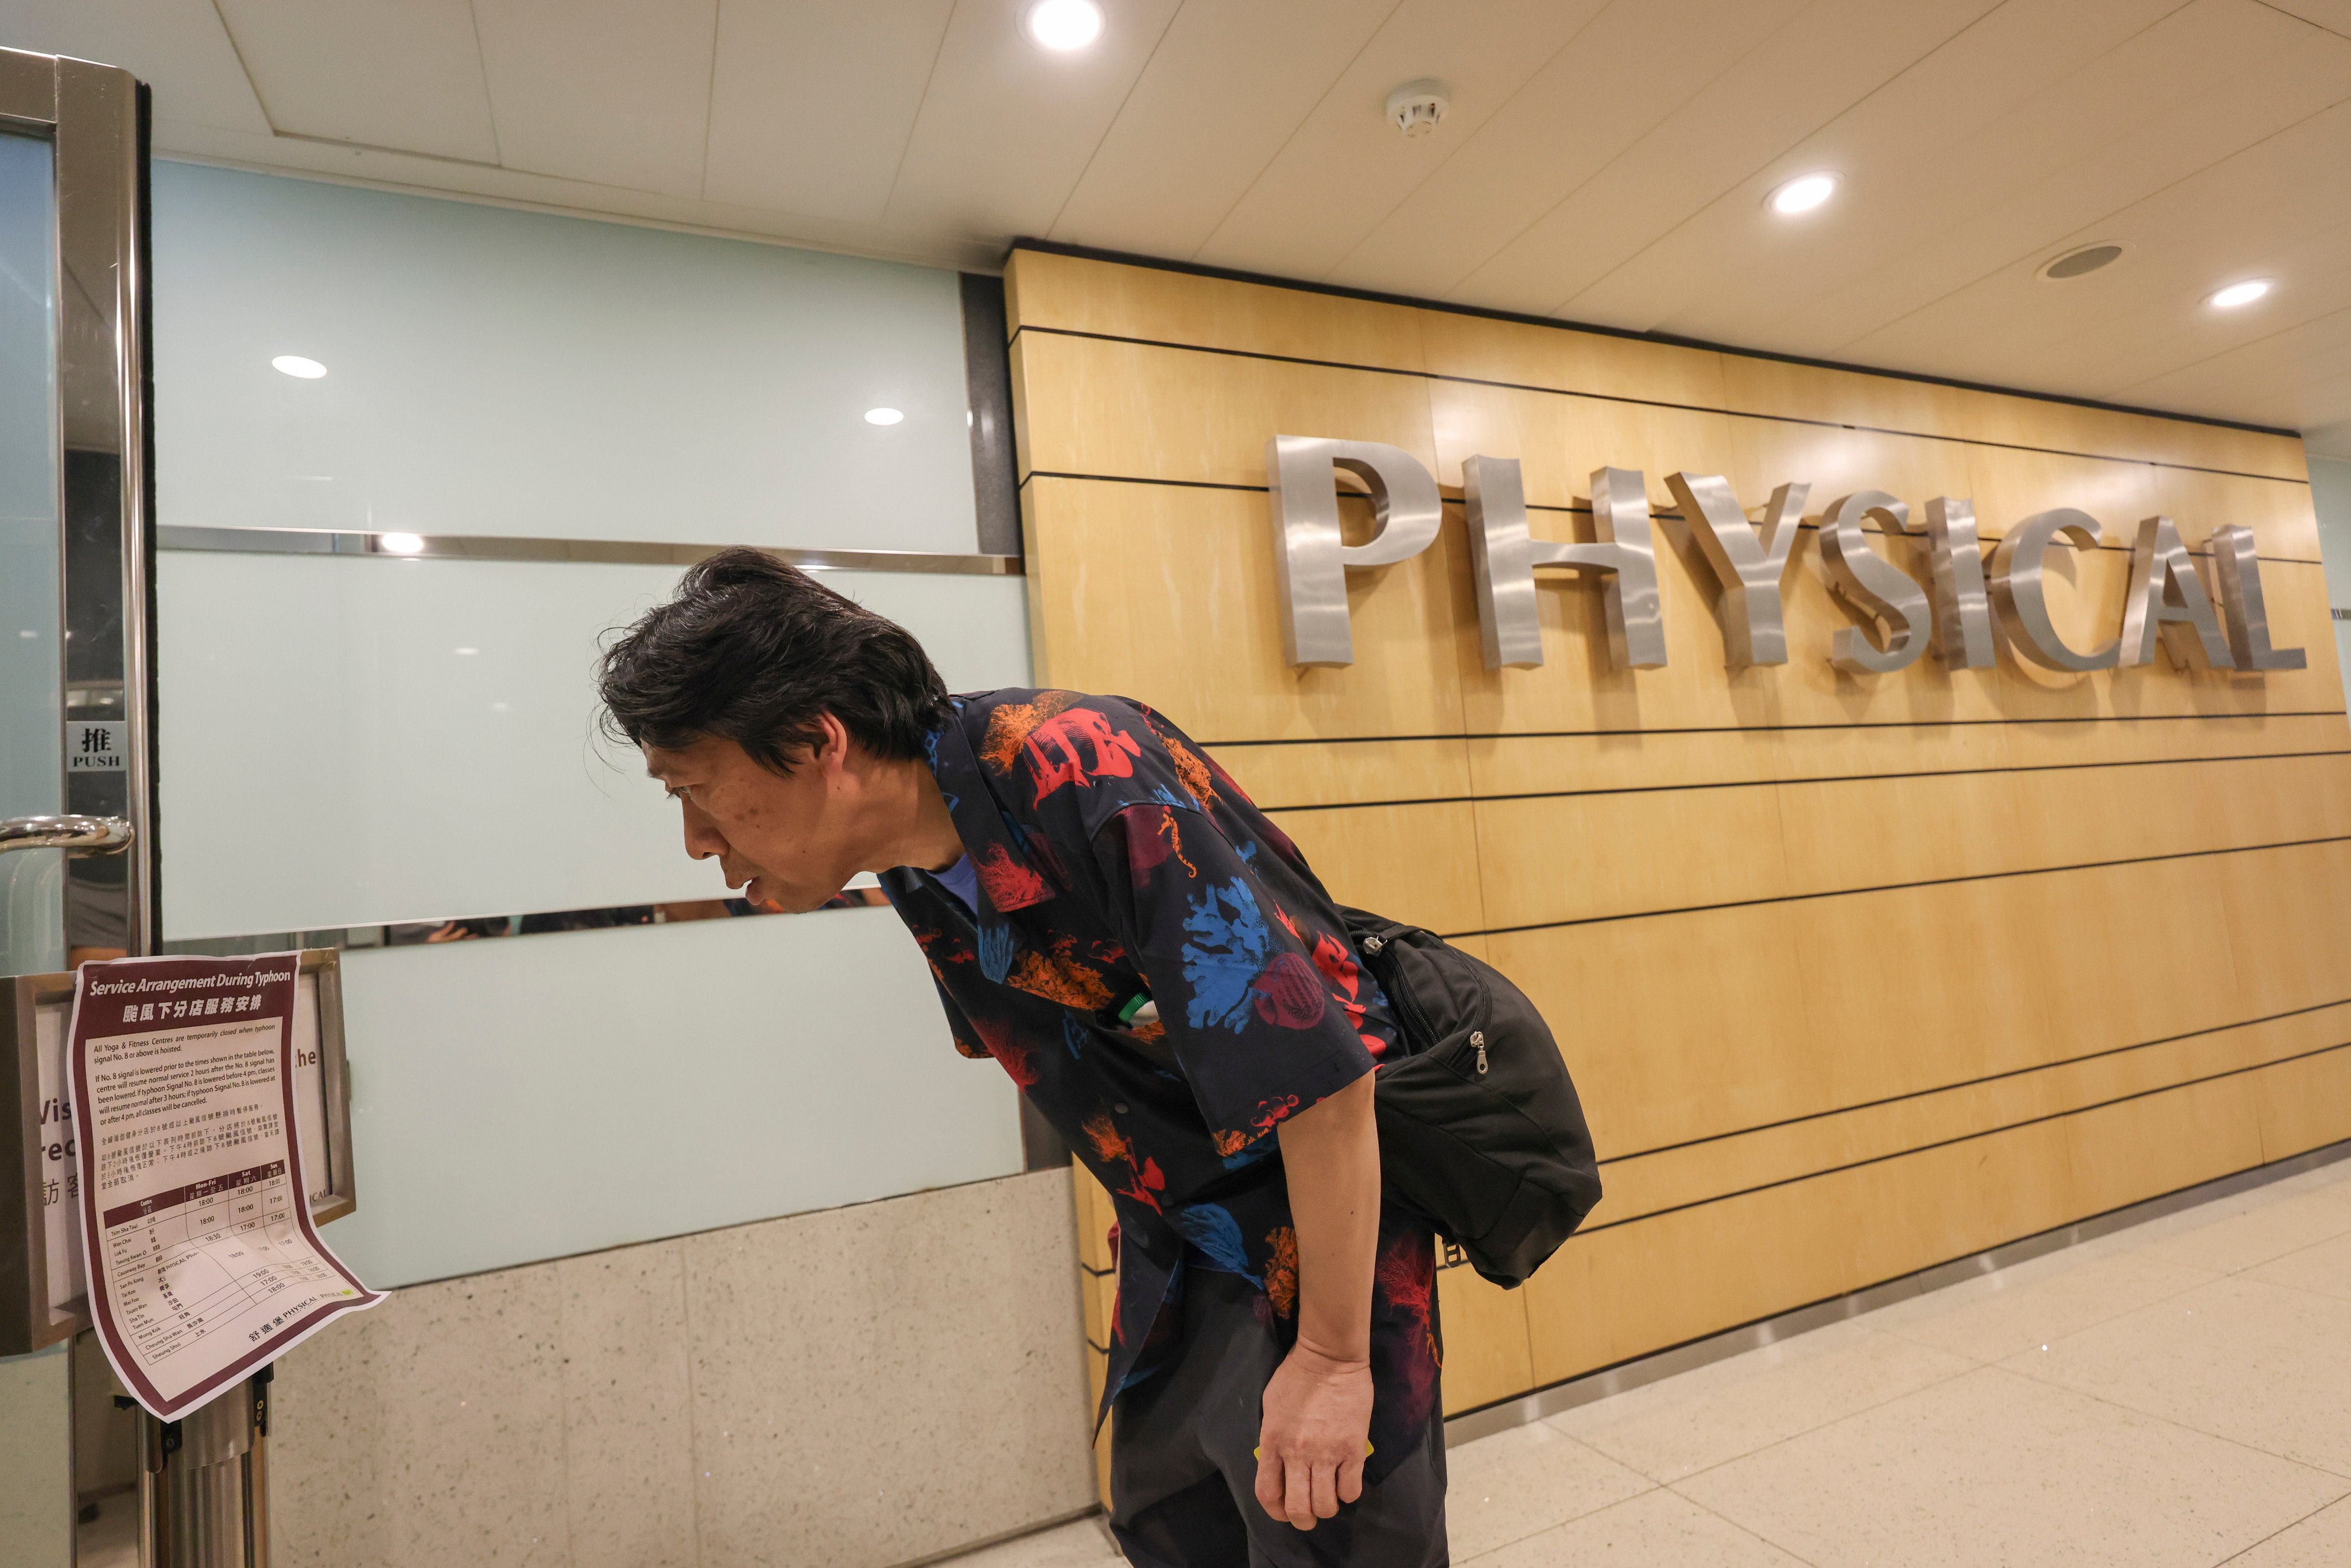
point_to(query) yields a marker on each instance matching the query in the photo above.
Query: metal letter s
(1310, 561)
(1876, 586)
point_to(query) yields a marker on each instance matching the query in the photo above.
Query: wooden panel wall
(1856, 974)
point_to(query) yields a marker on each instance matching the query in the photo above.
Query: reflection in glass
(32, 712)
(720, 395)
(330, 760)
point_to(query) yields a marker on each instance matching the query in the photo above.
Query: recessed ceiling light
(882, 416)
(401, 544)
(1803, 194)
(296, 365)
(2237, 294)
(2085, 258)
(1062, 25)
(464, 653)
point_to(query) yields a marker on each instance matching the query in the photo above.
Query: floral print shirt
(1117, 863)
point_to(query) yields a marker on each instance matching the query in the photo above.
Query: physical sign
(203, 1263)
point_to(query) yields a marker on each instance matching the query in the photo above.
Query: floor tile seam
(2208, 1276)
(1598, 1453)
(1743, 1527)
(2259, 1200)
(1538, 1404)
(689, 1340)
(1810, 1352)
(2243, 1277)
(2289, 1252)
(2273, 1535)
(2329, 1297)
(1858, 1410)
(1650, 1485)
(2142, 1246)
(2174, 1422)
(563, 1412)
(1948, 1350)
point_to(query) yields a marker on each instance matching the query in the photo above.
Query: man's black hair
(753, 651)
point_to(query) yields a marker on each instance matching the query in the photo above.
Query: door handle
(76, 835)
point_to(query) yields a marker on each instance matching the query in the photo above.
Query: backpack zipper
(1407, 1012)
(1410, 1013)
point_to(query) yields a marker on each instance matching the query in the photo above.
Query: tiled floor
(2179, 1393)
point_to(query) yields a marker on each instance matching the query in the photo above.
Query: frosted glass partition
(32, 696)
(514, 1101)
(2330, 493)
(361, 740)
(494, 371)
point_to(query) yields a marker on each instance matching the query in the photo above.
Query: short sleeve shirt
(1115, 861)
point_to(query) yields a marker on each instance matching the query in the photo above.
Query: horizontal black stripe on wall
(1767, 729)
(1956, 1083)
(1820, 779)
(1672, 339)
(1985, 545)
(1967, 1138)
(1889, 887)
(1630, 402)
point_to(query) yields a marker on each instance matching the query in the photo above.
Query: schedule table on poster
(220, 1250)
(204, 1263)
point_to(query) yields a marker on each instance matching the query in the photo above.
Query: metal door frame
(96, 118)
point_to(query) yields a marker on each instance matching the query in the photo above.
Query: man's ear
(832, 752)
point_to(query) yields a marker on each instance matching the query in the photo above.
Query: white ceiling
(1602, 161)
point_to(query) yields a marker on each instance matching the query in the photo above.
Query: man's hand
(1310, 1448)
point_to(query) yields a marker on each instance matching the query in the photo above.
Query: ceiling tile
(1952, 133)
(2332, 437)
(2334, 15)
(176, 46)
(1230, 80)
(2313, 343)
(1985, 328)
(813, 101)
(1592, 99)
(1346, 168)
(2292, 191)
(2171, 99)
(2285, 374)
(1732, 132)
(1006, 128)
(487, 181)
(404, 74)
(608, 90)
(1614, 148)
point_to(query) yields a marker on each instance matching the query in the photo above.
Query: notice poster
(202, 1259)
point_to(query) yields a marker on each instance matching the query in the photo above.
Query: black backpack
(1480, 1131)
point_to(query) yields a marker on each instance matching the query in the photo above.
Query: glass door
(32, 598)
(74, 780)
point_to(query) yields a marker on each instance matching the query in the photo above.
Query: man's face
(785, 838)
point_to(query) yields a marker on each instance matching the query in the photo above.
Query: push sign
(97, 745)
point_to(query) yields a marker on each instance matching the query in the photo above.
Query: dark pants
(1183, 1478)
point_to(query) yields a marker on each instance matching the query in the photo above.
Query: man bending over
(1151, 961)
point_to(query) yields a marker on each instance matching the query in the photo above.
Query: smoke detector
(1417, 107)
